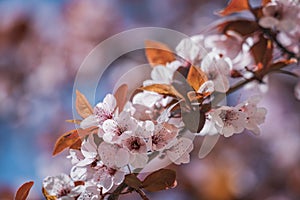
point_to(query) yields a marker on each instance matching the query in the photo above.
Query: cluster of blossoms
(181, 99)
(127, 138)
(284, 16)
(123, 145)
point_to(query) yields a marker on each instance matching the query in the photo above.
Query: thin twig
(240, 85)
(142, 194)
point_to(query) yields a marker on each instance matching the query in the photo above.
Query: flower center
(135, 145)
(156, 139)
(228, 116)
(63, 192)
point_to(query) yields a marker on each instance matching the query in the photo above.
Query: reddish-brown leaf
(262, 52)
(65, 141)
(76, 145)
(74, 121)
(158, 53)
(121, 96)
(280, 64)
(23, 191)
(88, 131)
(243, 27)
(72, 139)
(196, 77)
(83, 107)
(133, 181)
(265, 2)
(197, 97)
(163, 89)
(47, 196)
(235, 6)
(257, 12)
(268, 54)
(160, 180)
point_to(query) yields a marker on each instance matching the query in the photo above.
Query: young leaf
(196, 97)
(121, 95)
(235, 6)
(65, 141)
(88, 131)
(196, 77)
(280, 64)
(194, 120)
(23, 191)
(72, 139)
(74, 121)
(243, 27)
(47, 196)
(262, 51)
(265, 2)
(83, 107)
(160, 180)
(76, 145)
(133, 181)
(158, 53)
(163, 89)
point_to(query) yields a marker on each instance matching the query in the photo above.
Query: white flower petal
(122, 158)
(268, 22)
(140, 160)
(119, 177)
(89, 122)
(180, 151)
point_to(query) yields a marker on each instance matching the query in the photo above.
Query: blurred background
(42, 45)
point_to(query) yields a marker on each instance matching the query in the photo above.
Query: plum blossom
(105, 177)
(160, 75)
(179, 153)
(138, 151)
(254, 115)
(209, 127)
(102, 111)
(75, 156)
(217, 68)
(91, 192)
(113, 156)
(145, 129)
(147, 99)
(89, 151)
(233, 46)
(119, 127)
(83, 169)
(62, 187)
(164, 133)
(282, 15)
(163, 74)
(192, 49)
(228, 120)
(135, 144)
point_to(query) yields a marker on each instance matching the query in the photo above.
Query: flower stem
(115, 194)
(142, 194)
